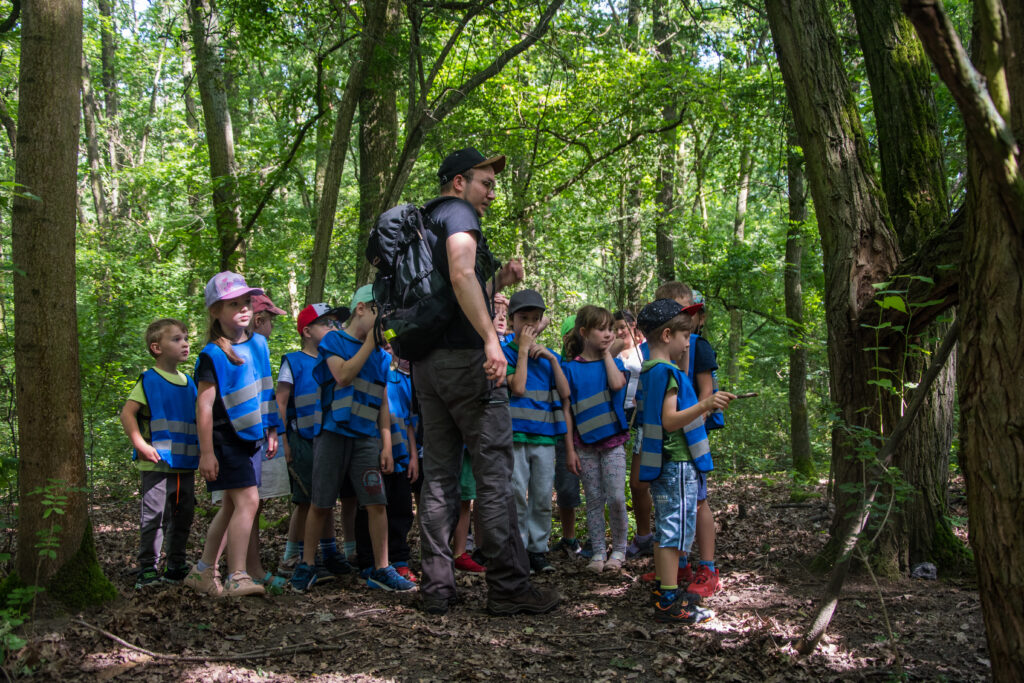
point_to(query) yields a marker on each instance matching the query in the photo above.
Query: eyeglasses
(329, 323)
(490, 184)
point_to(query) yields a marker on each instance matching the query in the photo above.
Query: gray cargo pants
(459, 406)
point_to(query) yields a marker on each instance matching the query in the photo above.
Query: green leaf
(894, 302)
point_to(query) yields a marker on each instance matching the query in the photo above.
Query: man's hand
(510, 273)
(495, 364)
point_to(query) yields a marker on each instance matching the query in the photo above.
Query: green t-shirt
(673, 445)
(522, 437)
(139, 396)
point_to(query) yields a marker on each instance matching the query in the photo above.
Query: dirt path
(603, 631)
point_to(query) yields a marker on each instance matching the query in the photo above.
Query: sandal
(275, 585)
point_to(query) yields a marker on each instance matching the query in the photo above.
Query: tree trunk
(92, 146)
(858, 247)
(739, 229)
(378, 132)
(668, 142)
(915, 188)
(799, 427)
(51, 455)
(991, 364)
(108, 60)
(227, 207)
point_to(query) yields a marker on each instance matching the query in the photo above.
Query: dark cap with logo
(525, 298)
(657, 313)
(460, 161)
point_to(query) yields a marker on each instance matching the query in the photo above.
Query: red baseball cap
(313, 312)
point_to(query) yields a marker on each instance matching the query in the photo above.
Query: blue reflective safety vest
(400, 406)
(645, 350)
(172, 420)
(357, 406)
(599, 413)
(650, 396)
(539, 409)
(304, 403)
(246, 390)
(716, 419)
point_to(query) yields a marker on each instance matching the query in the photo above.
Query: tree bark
(739, 228)
(220, 142)
(799, 426)
(668, 142)
(50, 438)
(991, 98)
(108, 61)
(92, 146)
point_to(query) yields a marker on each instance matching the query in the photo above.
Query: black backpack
(415, 303)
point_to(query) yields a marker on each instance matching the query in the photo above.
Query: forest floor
(603, 630)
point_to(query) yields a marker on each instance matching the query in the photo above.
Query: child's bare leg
(378, 526)
(666, 562)
(297, 524)
(314, 527)
(706, 531)
(567, 517)
(253, 563)
(216, 535)
(246, 502)
(461, 529)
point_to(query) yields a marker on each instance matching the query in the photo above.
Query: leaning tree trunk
(991, 97)
(50, 439)
(799, 427)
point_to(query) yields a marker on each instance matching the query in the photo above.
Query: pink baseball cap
(262, 302)
(227, 285)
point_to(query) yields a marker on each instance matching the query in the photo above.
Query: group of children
(343, 413)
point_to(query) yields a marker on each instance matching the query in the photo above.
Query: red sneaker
(683, 578)
(406, 573)
(465, 563)
(705, 583)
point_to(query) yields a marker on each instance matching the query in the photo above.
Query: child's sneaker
(596, 565)
(705, 582)
(466, 563)
(640, 547)
(403, 570)
(303, 578)
(388, 579)
(614, 562)
(176, 573)
(206, 582)
(337, 565)
(683, 577)
(570, 547)
(240, 584)
(286, 567)
(539, 563)
(679, 607)
(146, 577)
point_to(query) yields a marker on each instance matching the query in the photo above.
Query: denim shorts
(567, 484)
(675, 505)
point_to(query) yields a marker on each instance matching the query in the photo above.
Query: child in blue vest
(159, 418)
(298, 401)
(674, 445)
(354, 440)
(597, 383)
(539, 406)
(235, 412)
(398, 483)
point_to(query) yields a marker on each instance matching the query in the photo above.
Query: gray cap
(525, 298)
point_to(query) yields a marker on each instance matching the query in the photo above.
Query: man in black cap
(462, 401)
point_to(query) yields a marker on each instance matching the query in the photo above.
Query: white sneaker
(596, 565)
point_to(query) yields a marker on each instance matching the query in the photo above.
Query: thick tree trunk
(858, 247)
(799, 426)
(991, 364)
(50, 446)
(220, 141)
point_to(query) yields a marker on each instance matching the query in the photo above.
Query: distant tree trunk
(92, 146)
(664, 221)
(108, 60)
(739, 229)
(49, 405)
(799, 428)
(220, 141)
(378, 132)
(991, 364)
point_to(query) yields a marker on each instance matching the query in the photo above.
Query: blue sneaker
(388, 579)
(337, 565)
(303, 578)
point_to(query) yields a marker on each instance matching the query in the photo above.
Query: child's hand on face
(527, 337)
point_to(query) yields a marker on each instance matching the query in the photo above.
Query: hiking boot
(466, 563)
(403, 570)
(303, 578)
(437, 606)
(176, 573)
(614, 562)
(571, 547)
(323, 574)
(337, 565)
(206, 582)
(640, 547)
(240, 584)
(146, 577)
(532, 600)
(388, 579)
(705, 582)
(679, 607)
(539, 563)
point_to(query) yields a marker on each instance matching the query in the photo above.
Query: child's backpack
(716, 419)
(414, 301)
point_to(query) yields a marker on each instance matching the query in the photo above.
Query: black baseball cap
(525, 298)
(460, 161)
(657, 313)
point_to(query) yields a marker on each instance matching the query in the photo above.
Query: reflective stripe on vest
(355, 407)
(246, 390)
(539, 410)
(653, 384)
(304, 402)
(172, 423)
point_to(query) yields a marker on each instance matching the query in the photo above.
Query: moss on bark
(80, 582)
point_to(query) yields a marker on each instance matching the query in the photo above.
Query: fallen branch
(812, 636)
(262, 653)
